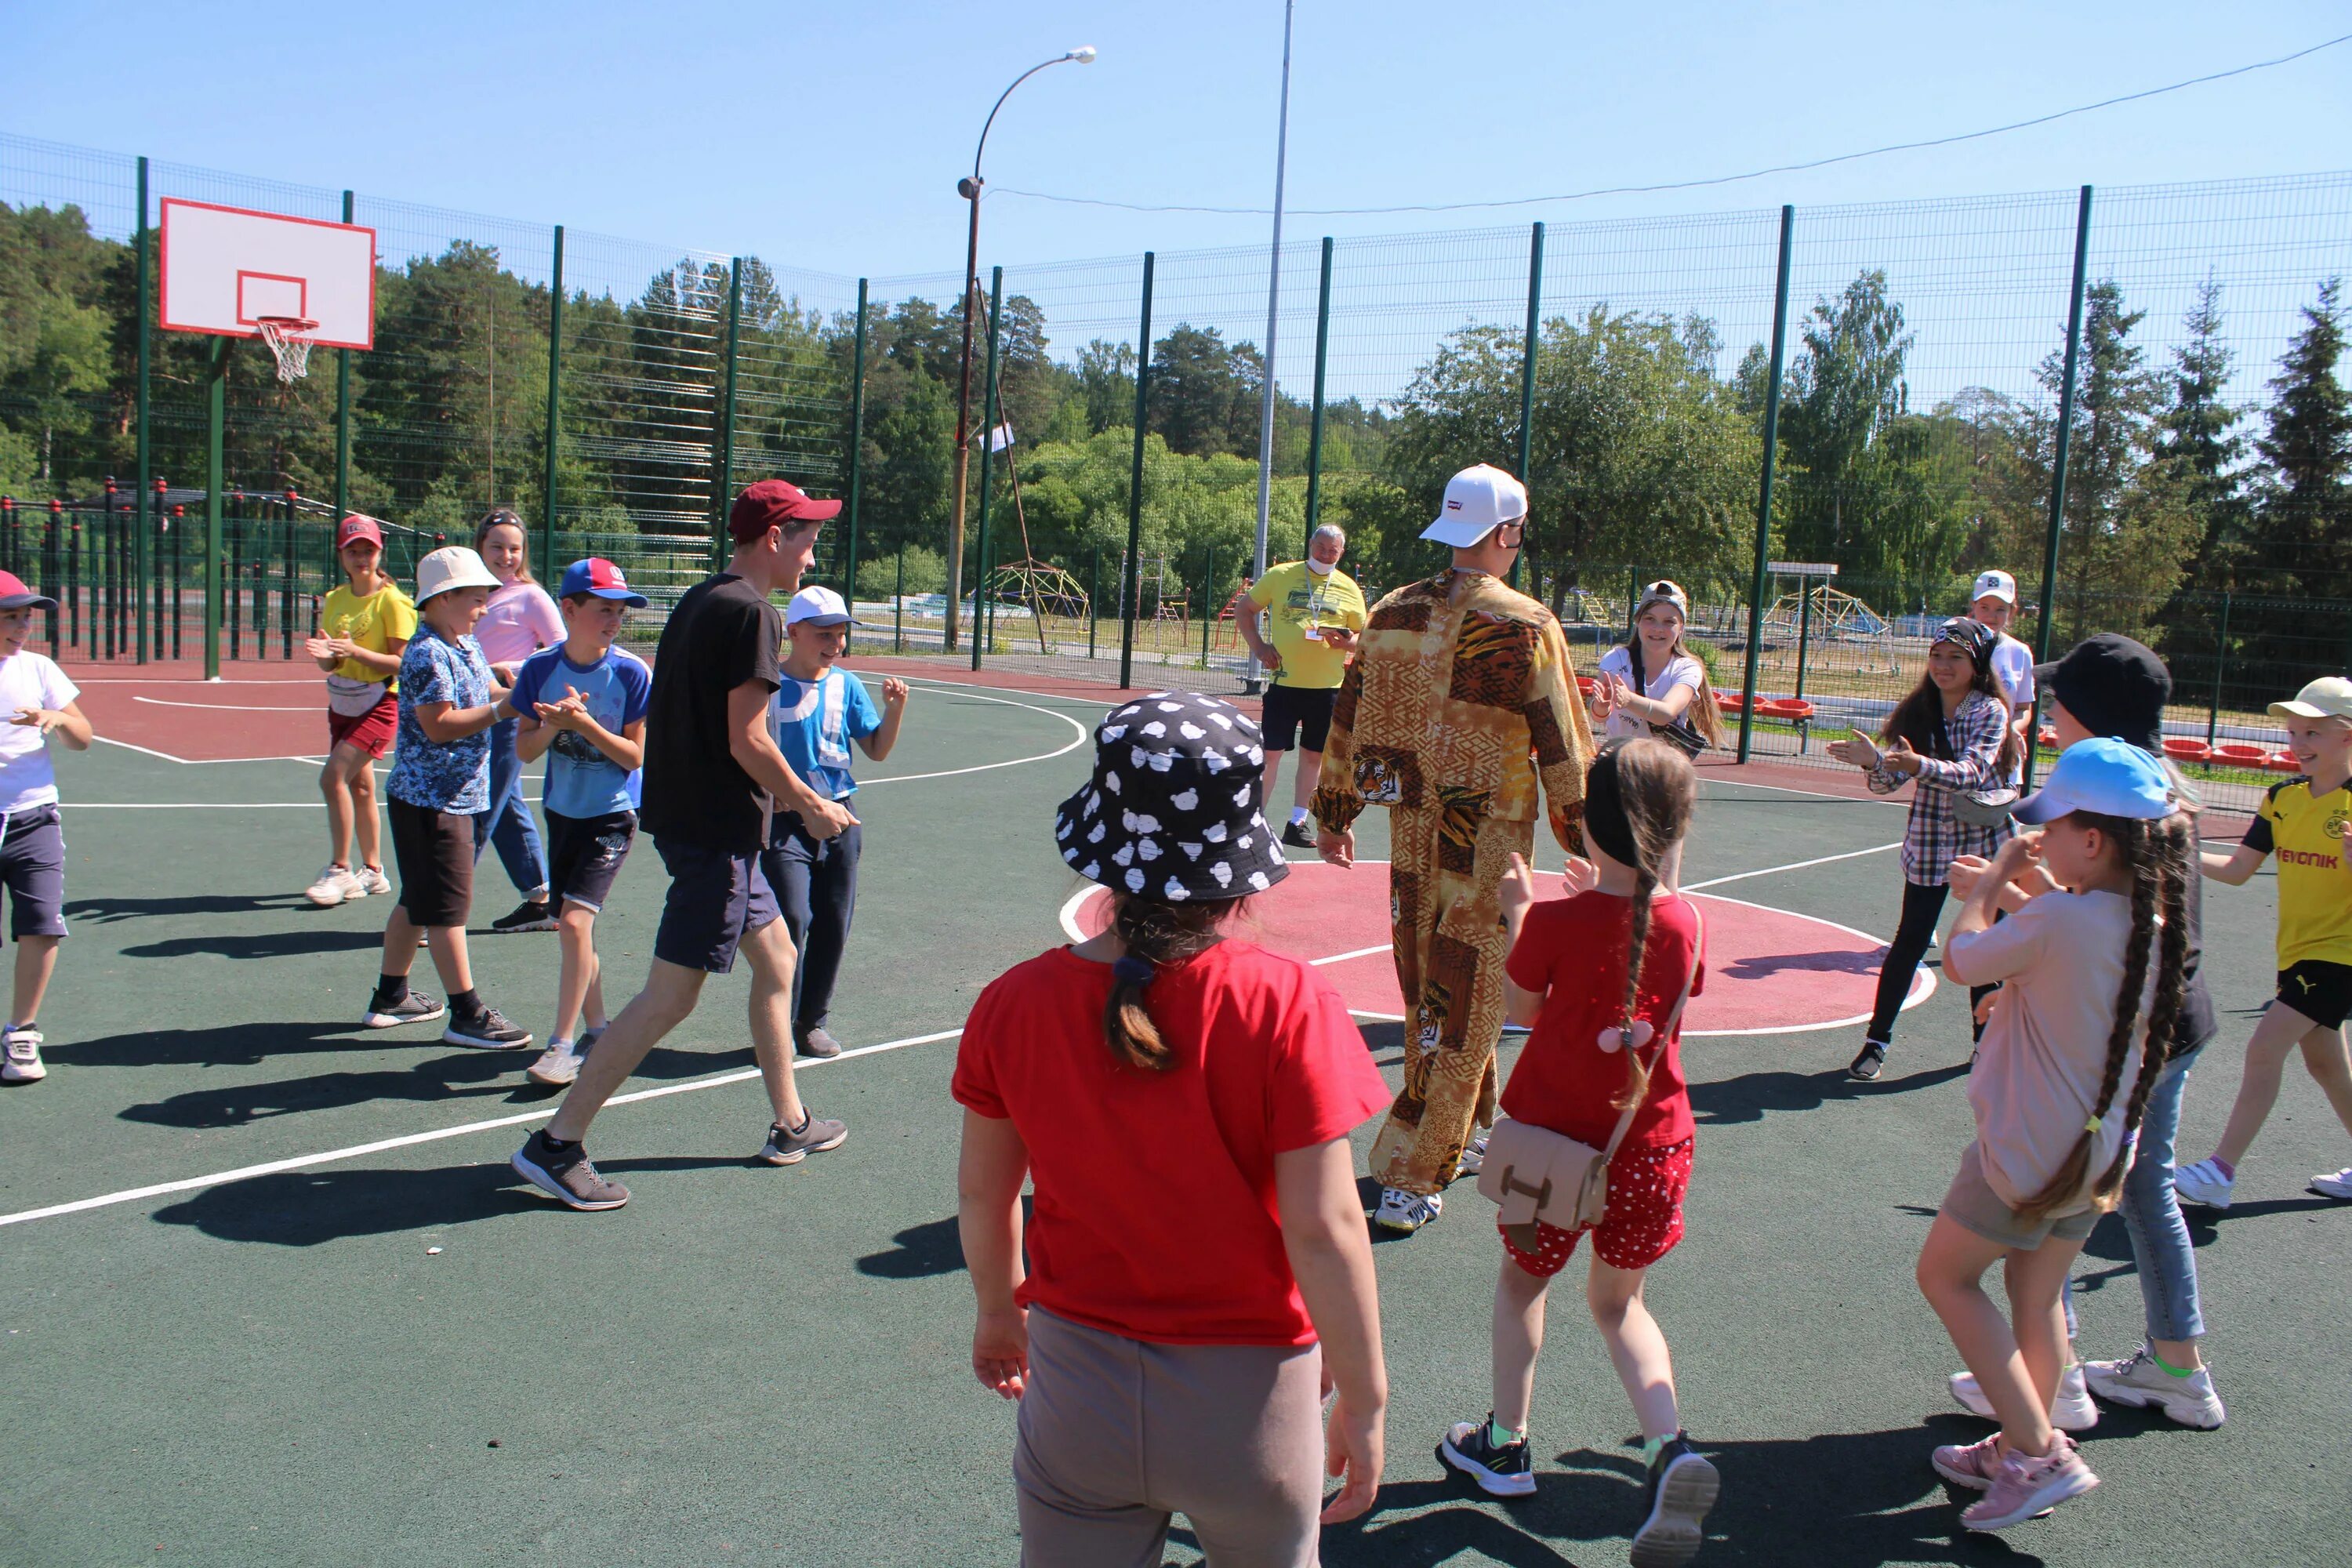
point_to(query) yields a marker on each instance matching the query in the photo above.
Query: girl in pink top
(521, 620)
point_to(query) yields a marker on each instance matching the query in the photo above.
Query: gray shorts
(33, 868)
(1972, 1203)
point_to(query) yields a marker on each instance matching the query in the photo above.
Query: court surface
(377, 1346)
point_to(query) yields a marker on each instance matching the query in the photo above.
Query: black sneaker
(1299, 835)
(566, 1175)
(487, 1030)
(1504, 1469)
(816, 1043)
(1866, 1063)
(1681, 1488)
(531, 914)
(789, 1146)
(416, 1007)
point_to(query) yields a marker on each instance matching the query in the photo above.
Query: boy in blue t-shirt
(582, 705)
(816, 712)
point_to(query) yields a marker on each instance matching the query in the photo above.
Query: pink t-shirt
(519, 621)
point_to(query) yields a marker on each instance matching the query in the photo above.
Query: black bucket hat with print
(1172, 811)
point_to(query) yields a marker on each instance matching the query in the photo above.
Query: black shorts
(716, 900)
(584, 854)
(434, 852)
(33, 868)
(2320, 990)
(1302, 713)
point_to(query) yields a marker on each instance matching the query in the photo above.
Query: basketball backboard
(225, 267)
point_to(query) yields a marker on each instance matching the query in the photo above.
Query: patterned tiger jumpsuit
(1460, 703)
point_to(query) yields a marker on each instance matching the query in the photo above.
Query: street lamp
(969, 189)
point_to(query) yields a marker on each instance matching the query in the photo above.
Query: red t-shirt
(1574, 952)
(1155, 1213)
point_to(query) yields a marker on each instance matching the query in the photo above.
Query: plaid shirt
(1934, 836)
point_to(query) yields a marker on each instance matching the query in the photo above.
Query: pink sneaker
(1968, 1464)
(2023, 1487)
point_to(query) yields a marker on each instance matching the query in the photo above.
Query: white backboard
(225, 268)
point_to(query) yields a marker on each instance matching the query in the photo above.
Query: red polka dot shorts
(1644, 1219)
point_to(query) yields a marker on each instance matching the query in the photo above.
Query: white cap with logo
(1479, 501)
(1994, 584)
(818, 606)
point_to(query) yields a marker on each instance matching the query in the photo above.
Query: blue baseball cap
(600, 579)
(2111, 777)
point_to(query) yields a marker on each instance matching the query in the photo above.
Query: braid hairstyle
(1658, 790)
(1159, 933)
(2156, 856)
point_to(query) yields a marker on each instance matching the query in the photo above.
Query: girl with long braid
(1600, 976)
(2091, 981)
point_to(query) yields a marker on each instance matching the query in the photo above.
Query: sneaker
(588, 1038)
(1406, 1212)
(2072, 1411)
(1299, 835)
(566, 1175)
(557, 1066)
(789, 1146)
(816, 1043)
(2203, 1185)
(1681, 1488)
(1501, 1470)
(20, 1057)
(416, 1007)
(2022, 1486)
(2137, 1381)
(335, 885)
(487, 1030)
(2333, 1184)
(1867, 1062)
(373, 882)
(1969, 1465)
(531, 914)
(1473, 1156)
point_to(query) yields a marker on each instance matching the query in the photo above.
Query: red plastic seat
(2243, 753)
(1729, 701)
(1789, 707)
(2181, 749)
(2282, 762)
(2048, 738)
(1587, 685)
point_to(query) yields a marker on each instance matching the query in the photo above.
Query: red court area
(1769, 972)
(256, 711)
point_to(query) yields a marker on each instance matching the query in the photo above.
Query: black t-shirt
(723, 633)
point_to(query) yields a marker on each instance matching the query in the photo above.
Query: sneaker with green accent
(2139, 1380)
(1501, 1470)
(1682, 1487)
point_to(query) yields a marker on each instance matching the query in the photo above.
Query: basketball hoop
(284, 334)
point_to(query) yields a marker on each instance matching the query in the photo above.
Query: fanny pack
(1682, 735)
(349, 699)
(1537, 1175)
(1983, 807)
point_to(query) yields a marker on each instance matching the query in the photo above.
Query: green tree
(2306, 508)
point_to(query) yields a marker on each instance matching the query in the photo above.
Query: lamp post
(969, 189)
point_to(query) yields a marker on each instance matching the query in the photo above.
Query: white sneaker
(557, 1066)
(373, 882)
(1473, 1157)
(1407, 1212)
(2335, 1184)
(2203, 1185)
(335, 884)
(21, 1062)
(2138, 1382)
(2072, 1411)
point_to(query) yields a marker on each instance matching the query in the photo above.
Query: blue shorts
(33, 868)
(716, 900)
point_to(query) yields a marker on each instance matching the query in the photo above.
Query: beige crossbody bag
(1535, 1173)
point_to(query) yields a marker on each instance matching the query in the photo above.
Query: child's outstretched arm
(67, 723)
(2236, 867)
(894, 711)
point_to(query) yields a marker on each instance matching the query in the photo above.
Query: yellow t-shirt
(2314, 895)
(1295, 598)
(375, 622)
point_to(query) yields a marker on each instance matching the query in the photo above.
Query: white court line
(1085, 733)
(1792, 866)
(222, 706)
(1813, 793)
(193, 762)
(192, 680)
(523, 1119)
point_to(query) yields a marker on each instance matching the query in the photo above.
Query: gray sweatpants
(1116, 1434)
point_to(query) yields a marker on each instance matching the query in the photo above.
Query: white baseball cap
(1994, 584)
(2329, 696)
(1479, 501)
(820, 607)
(452, 566)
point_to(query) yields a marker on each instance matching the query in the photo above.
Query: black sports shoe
(566, 1175)
(487, 1030)
(531, 914)
(1867, 1061)
(1299, 835)
(816, 1044)
(1681, 1488)
(416, 1007)
(790, 1145)
(1503, 1470)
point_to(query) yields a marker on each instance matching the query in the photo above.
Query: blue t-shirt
(814, 720)
(582, 782)
(454, 775)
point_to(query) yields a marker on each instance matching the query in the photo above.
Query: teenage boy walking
(712, 773)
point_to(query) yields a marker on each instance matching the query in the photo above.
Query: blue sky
(831, 136)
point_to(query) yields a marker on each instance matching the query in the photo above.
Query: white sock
(1298, 814)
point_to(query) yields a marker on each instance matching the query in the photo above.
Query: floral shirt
(1935, 837)
(453, 775)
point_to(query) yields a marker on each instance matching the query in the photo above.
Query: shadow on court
(261, 944)
(472, 1075)
(1764, 966)
(107, 911)
(235, 1045)
(1750, 1096)
(921, 1251)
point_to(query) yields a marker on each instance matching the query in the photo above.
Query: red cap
(775, 503)
(14, 595)
(357, 526)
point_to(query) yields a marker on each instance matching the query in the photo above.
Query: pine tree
(2306, 510)
(2197, 438)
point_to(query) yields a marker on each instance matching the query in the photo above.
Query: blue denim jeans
(2161, 1253)
(508, 823)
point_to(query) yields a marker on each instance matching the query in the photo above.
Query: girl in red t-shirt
(1197, 1269)
(1599, 976)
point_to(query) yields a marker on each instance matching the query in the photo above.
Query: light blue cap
(2111, 777)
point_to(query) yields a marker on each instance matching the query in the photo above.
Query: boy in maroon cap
(39, 703)
(712, 776)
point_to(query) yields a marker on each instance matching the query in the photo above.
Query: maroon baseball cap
(775, 503)
(356, 527)
(14, 595)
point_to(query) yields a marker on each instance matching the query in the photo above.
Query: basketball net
(284, 336)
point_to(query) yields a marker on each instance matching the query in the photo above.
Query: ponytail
(1657, 791)
(1155, 934)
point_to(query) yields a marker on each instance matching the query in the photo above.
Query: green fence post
(2221, 667)
(52, 572)
(856, 446)
(142, 542)
(980, 628)
(1094, 593)
(726, 497)
(1315, 423)
(1528, 376)
(1131, 570)
(555, 403)
(899, 605)
(215, 432)
(2058, 460)
(1208, 604)
(1764, 489)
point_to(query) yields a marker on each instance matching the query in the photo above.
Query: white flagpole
(1273, 309)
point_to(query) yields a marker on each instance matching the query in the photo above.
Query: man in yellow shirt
(1313, 611)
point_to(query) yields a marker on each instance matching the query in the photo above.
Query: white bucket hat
(452, 566)
(1479, 501)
